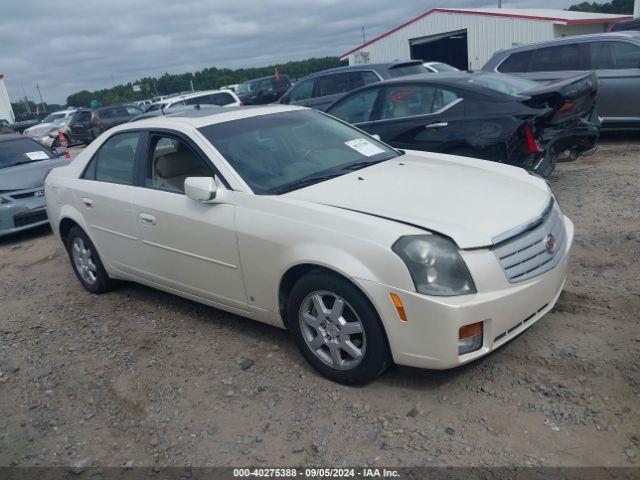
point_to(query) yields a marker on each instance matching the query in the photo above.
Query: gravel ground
(140, 377)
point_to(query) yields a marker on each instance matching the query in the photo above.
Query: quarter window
(614, 55)
(114, 161)
(357, 108)
(170, 163)
(518, 62)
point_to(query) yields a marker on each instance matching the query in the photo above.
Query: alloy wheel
(83, 260)
(332, 330)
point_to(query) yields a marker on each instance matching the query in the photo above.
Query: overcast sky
(69, 45)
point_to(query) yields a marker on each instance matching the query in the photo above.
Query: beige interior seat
(173, 168)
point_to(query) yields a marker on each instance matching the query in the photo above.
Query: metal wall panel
(485, 35)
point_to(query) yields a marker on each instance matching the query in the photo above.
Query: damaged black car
(482, 115)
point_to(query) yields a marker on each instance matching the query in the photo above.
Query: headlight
(435, 265)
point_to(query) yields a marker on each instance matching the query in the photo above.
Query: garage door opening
(449, 48)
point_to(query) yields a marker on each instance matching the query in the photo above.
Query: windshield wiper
(305, 182)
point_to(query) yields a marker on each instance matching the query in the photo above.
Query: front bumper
(25, 210)
(429, 337)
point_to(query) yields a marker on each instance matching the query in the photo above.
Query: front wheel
(337, 329)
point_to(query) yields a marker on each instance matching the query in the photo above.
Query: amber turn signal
(399, 307)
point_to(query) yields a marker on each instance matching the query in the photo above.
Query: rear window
(502, 83)
(404, 70)
(22, 150)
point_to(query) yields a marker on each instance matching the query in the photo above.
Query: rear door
(418, 116)
(103, 195)
(185, 245)
(617, 64)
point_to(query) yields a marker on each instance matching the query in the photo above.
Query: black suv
(261, 91)
(321, 89)
(88, 124)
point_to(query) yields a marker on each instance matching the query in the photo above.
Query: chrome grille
(526, 255)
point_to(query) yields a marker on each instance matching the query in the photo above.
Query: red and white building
(467, 38)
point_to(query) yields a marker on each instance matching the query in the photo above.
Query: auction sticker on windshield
(364, 147)
(37, 155)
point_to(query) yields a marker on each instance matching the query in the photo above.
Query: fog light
(470, 338)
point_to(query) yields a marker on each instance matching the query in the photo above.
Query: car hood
(38, 130)
(471, 201)
(28, 175)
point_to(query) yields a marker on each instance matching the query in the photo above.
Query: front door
(186, 245)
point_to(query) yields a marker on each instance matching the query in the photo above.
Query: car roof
(200, 118)
(264, 78)
(622, 35)
(364, 66)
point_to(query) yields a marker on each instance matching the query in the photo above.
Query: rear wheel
(337, 329)
(86, 262)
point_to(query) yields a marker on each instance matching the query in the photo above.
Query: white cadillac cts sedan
(287, 216)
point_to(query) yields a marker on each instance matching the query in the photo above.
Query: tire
(86, 262)
(355, 328)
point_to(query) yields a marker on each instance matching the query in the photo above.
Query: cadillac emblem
(550, 243)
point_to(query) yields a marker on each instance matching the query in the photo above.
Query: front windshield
(502, 83)
(247, 87)
(284, 151)
(53, 117)
(21, 150)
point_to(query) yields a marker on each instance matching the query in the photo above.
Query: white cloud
(87, 42)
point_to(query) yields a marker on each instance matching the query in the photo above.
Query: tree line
(624, 7)
(205, 79)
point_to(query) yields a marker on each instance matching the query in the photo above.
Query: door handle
(87, 202)
(147, 219)
(437, 125)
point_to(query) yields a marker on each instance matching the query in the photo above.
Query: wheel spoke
(336, 310)
(310, 320)
(318, 303)
(351, 350)
(317, 342)
(351, 328)
(335, 354)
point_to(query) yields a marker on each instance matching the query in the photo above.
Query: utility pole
(364, 37)
(636, 9)
(26, 100)
(41, 100)
(114, 87)
(499, 3)
(192, 89)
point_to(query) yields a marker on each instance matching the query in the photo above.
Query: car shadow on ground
(14, 239)
(253, 331)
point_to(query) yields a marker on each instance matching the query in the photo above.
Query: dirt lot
(140, 377)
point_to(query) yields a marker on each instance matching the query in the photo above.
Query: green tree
(624, 7)
(205, 79)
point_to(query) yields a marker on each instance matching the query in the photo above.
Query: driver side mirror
(204, 189)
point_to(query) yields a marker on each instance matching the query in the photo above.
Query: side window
(357, 108)
(332, 84)
(133, 111)
(554, 59)
(360, 79)
(181, 103)
(518, 62)
(614, 55)
(114, 161)
(170, 163)
(411, 100)
(302, 91)
(82, 117)
(221, 99)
